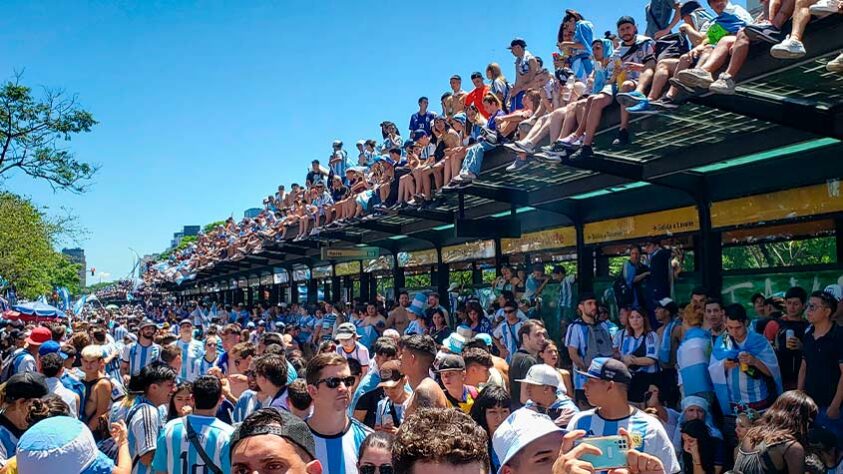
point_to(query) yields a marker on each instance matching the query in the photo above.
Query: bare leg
(719, 56)
(595, 115)
(626, 87)
(664, 70)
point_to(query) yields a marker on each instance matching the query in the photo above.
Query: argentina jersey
(144, 422)
(119, 332)
(190, 351)
(338, 453)
(508, 334)
(648, 434)
(627, 344)
(246, 404)
(139, 356)
(201, 366)
(175, 453)
(8, 444)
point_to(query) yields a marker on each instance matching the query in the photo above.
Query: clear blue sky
(206, 107)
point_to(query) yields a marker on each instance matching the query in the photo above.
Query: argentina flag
(692, 359)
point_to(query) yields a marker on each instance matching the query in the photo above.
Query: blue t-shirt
(422, 121)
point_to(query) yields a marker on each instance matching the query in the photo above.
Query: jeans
(835, 426)
(473, 161)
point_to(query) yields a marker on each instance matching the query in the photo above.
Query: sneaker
(788, 49)
(836, 64)
(548, 148)
(725, 84)
(686, 89)
(824, 8)
(469, 177)
(630, 99)
(622, 138)
(764, 32)
(583, 153)
(663, 105)
(571, 141)
(641, 109)
(512, 147)
(556, 158)
(525, 146)
(516, 165)
(697, 78)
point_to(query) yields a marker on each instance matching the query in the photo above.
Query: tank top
(758, 461)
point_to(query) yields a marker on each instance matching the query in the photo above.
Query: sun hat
(521, 428)
(60, 444)
(487, 339)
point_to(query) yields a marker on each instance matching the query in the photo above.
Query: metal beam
(343, 236)
(496, 192)
(428, 214)
(392, 229)
(613, 167)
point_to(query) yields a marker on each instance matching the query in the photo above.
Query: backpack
(8, 367)
(623, 292)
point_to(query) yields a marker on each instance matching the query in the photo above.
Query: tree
(31, 135)
(28, 259)
(213, 225)
(788, 253)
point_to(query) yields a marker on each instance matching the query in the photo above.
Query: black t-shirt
(338, 194)
(823, 357)
(369, 402)
(658, 285)
(789, 360)
(521, 363)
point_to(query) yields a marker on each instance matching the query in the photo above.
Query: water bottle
(569, 88)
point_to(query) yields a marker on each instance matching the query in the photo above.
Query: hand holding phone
(609, 452)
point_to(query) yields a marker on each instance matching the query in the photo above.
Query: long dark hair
(172, 413)
(569, 14)
(787, 420)
(698, 430)
(492, 396)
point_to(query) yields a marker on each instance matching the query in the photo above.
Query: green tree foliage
(790, 253)
(209, 227)
(28, 259)
(32, 132)
(183, 244)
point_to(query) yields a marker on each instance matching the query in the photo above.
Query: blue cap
(460, 117)
(51, 347)
(487, 339)
(521, 428)
(418, 134)
(608, 369)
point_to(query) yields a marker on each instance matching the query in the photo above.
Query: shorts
(517, 101)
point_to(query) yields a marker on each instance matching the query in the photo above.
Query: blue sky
(206, 107)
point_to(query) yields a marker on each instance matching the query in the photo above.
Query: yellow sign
(347, 268)
(546, 239)
(789, 204)
(673, 221)
(478, 250)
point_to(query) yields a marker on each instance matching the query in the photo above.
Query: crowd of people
(387, 387)
(683, 47)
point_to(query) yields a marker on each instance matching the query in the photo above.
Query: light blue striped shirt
(190, 352)
(23, 362)
(201, 365)
(246, 404)
(175, 453)
(508, 335)
(338, 453)
(138, 356)
(628, 344)
(647, 432)
(8, 445)
(144, 422)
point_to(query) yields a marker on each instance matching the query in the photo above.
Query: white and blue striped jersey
(175, 453)
(627, 344)
(190, 352)
(201, 365)
(577, 337)
(138, 356)
(23, 361)
(248, 402)
(8, 444)
(338, 453)
(145, 421)
(508, 335)
(385, 410)
(119, 332)
(648, 434)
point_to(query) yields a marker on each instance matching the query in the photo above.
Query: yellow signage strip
(670, 222)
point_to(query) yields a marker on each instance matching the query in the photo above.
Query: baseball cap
(51, 347)
(185, 322)
(293, 429)
(517, 42)
(39, 336)
(346, 331)
(460, 117)
(61, 444)
(418, 134)
(487, 339)
(146, 322)
(626, 19)
(521, 428)
(450, 362)
(542, 374)
(668, 304)
(608, 369)
(25, 386)
(456, 76)
(390, 374)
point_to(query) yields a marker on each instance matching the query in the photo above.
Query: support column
(365, 286)
(711, 249)
(838, 238)
(602, 263)
(373, 289)
(476, 274)
(250, 296)
(585, 261)
(312, 291)
(499, 258)
(294, 292)
(336, 289)
(399, 282)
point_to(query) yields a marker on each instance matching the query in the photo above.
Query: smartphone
(614, 449)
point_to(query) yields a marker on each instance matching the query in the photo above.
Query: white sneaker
(824, 8)
(836, 64)
(696, 77)
(788, 49)
(725, 84)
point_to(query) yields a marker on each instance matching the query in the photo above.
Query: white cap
(836, 291)
(521, 428)
(664, 302)
(542, 374)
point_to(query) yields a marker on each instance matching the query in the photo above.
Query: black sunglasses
(334, 382)
(509, 311)
(370, 469)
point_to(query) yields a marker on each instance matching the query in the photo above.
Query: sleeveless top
(758, 460)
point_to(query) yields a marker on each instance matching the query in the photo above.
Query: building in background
(251, 213)
(187, 231)
(77, 256)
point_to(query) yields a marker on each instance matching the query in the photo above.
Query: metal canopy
(778, 132)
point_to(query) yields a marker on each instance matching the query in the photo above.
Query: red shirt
(476, 97)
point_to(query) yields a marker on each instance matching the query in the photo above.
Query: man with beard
(399, 317)
(338, 437)
(138, 355)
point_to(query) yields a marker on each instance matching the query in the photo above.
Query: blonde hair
(495, 69)
(92, 352)
(693, 315)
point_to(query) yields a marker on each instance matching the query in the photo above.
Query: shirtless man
(399, 318)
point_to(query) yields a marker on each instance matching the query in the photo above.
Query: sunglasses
(370, 469)
(509, 311)
(334, 382)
